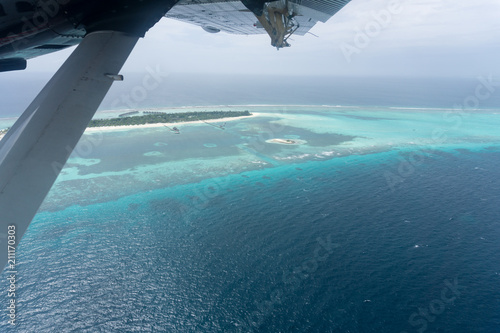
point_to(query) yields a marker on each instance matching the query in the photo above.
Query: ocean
(384, 219)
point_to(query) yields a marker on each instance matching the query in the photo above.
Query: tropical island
(157, 118)
(160, 118)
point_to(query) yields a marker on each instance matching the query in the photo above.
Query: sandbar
(287, 141)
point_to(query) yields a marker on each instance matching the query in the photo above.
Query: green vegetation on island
(4, 131)
(159, 117)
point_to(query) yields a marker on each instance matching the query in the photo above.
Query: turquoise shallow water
(360, 229)
(109, 165)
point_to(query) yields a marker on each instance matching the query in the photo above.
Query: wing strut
(35, 149)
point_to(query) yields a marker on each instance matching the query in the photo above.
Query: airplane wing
(279, 19)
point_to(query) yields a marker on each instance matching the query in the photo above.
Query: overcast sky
(418, 37)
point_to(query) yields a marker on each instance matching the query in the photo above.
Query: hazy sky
(418, 37)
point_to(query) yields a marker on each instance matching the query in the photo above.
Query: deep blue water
(312, 247)
(320, 246)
